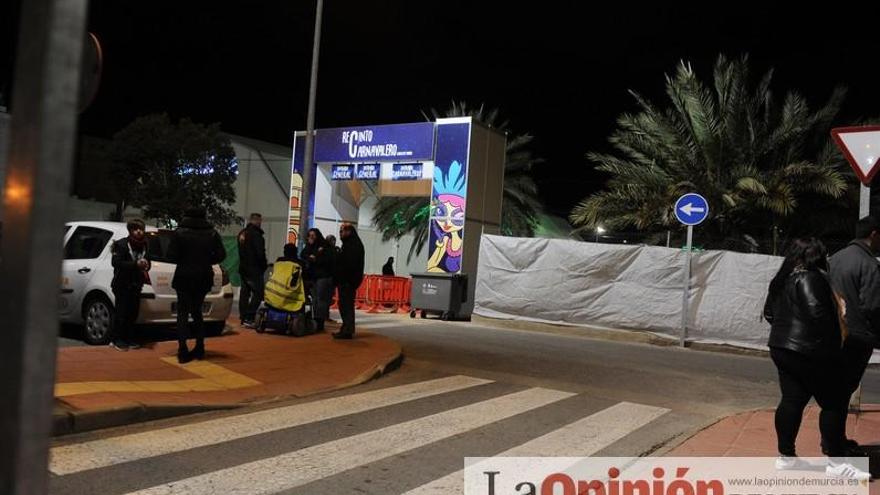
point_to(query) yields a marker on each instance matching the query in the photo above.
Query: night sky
(559, 70)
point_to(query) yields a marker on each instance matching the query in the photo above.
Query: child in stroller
(286, 306)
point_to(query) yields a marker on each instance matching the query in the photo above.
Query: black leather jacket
(803, 315)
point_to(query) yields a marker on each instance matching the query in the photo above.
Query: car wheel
(215, 328)
(98, 316)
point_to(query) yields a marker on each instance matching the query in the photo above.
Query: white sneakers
(843, 470)
(784, 463)
(846, 470)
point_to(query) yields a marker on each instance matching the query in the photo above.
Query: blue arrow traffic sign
(691, 209)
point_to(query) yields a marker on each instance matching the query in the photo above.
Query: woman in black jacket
(805, 341)
(318, 258)
(195, 248)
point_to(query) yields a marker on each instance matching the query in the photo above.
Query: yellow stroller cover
(284, 290)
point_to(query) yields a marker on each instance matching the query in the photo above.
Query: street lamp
(306, 194)
(599, 231)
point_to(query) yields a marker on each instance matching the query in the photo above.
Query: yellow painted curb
(213, 378)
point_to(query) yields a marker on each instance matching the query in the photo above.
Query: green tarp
(230, 264)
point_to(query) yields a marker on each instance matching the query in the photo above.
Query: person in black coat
(252, 264)
(349, 275)
(130, 267)
(855, 275)
(196, 247)
(805, 341)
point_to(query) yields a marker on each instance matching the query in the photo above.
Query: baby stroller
(286, 307)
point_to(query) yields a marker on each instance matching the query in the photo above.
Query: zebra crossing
(410, 438)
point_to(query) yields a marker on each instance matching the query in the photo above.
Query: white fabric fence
(625, 287)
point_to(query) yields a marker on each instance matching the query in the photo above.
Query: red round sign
(90, 75)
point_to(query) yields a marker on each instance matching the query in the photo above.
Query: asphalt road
(463, 390)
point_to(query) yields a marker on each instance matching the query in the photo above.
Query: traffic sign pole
(690, 209)
(855, 401)
(686, 283)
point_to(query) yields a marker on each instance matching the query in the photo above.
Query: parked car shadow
(145, 335)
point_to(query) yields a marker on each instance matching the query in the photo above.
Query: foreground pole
(38, 170)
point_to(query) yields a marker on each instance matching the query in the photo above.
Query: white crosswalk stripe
(582, 438)
(477, 404)
(115, 450)
(268, 476)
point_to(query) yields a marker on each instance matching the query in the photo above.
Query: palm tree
(761, 165)
(396, 217)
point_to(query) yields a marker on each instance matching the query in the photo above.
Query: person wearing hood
(349, 275)
(388, 268)
(252, 267)
(195, 247)
(130, 267)
(330, 240)
(288, 253)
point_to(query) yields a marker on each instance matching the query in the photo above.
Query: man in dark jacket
(252, 266)
(130, 267)
(349, 275)
(195, 248)
(855, 276)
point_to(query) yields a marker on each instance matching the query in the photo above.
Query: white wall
(88, 210)
(262, 187)
(378, 251)
(334, 200)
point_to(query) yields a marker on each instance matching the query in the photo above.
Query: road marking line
(283, 472)
(581, 438)
(116, 450)
(213, 378)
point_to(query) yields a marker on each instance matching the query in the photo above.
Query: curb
(369, 375)
(612, 335)
(680, 439)
(67, 422)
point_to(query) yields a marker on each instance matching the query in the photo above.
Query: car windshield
(158, 243)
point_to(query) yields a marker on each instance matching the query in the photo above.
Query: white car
(86, 296)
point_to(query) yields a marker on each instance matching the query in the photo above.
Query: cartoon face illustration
(447, 219)
(449, 214)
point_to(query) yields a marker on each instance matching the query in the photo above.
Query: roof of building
(263, 146)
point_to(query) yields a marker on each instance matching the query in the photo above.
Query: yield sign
(861, 146)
